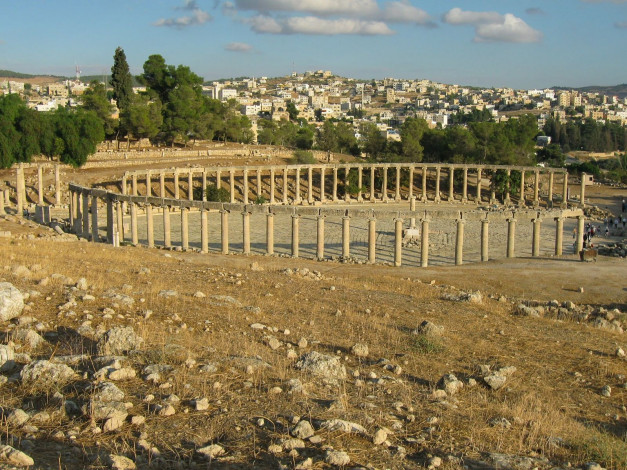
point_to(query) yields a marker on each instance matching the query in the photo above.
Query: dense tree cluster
(587, 135)
(72, 135)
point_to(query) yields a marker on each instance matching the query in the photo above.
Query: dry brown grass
(553, 413)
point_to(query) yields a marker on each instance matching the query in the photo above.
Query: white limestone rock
(211, 451)
(11, 301)
(344, 426)
(337, 458)
(45, 373)
(118, 341)
(328, 368)
(7, 357)
(359, 350)
(303, 430)
(119, 462)
(428, 328)
(11, 456)
(450, 384)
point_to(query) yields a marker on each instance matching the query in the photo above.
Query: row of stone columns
(322, 190)
(20, 189)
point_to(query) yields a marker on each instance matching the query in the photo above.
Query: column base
(464, 200)
(437, 199)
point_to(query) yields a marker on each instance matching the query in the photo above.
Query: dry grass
(553, 412)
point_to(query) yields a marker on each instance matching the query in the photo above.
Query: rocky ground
(135, 358)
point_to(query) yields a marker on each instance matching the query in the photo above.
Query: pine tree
(121, 80)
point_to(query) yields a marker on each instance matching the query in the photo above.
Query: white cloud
(197, 16)
(316, 7)
(318, 26)
(404, 12)
(534, 11)
(618, 24)
(238, 47)
(457, 16)
(512, 29)
(491, 26)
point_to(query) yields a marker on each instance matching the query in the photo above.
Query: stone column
(582, 194)
(246, 232)
(270, 233)
(521, 201)
(320, 238)
(2, 206)
(285, 186)
(412, 208)
(40, 185)
(162, 184)
(478, 199)
(190, 185)
(511, 237)
(384, 185)
(372, 240)
(424, 184)
(347, 196)
(459, 243)
(272, 188)
(150, 227)
(438, 171)
(536, 189)
(372, 188)
(95, 237)
(204, 230)
(580, 232)
(295, 240)
(20, 194)
(398, 242)
(550, 198)
(565, 191)
(397, 191)
(85, 214)
(124, 192)
(224, 231)
(167, 236)
(218, 179)
(176, 184)
(185, 228)
(78, 220)
(507, 200)
(310, 185)
(535, 247)
(134, 184)
(485, 225)
(259, 183)
(204, 185)
(346, 240)
(245, 186)
(57, 186)
(411, 182)
(134, 236)
(451, 185)
(424, 243)
(334, 184)
(322, 196)
(148, 184)
(465, 186)
(72, 211)
(119, 222)
(297, 198)
(232, 185)
(360, 182)
(110, 221)
(559, 235)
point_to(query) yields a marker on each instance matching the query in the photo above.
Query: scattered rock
(359, 350)
(11, 301)
(15, 457)
(429, 329)
(46, 374)
(211, 451)
(337, 457)
(118, 341)
(303, 430)
(119, 462)
(380, 436)
(328, 368)
(344, 426)
(495, 381)
(450, 384)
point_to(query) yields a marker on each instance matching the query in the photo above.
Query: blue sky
(513, 43)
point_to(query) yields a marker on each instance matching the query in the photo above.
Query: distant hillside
(616, 90)
(11, 74)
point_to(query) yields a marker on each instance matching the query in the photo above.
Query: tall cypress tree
(121, 80)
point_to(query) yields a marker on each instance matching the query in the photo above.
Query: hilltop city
(320, 95)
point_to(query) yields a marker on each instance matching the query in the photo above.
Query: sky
(521, 44)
